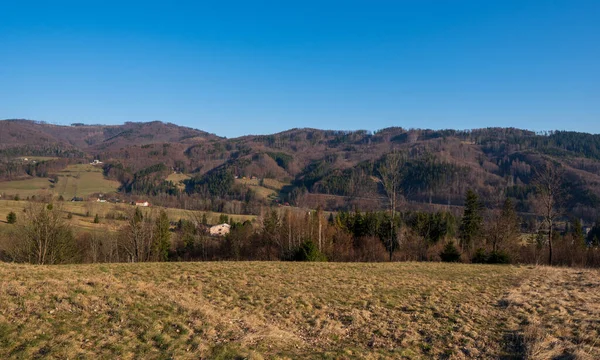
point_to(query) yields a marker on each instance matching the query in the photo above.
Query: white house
(96, 162)
(220, 230)
(142, 203)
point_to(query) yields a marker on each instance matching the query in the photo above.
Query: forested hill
(334, 169)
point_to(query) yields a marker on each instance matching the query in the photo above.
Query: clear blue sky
(253, 67)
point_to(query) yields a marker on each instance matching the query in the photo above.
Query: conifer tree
(11, 218)
(162, 237)
(470, 227)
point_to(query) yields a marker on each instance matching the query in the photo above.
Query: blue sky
(255, 67)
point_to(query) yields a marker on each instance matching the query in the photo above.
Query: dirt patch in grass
(268, 310)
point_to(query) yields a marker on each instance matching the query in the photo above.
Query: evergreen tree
(162, 237)
(594, 235)
(450, 253)
(577, 231)
(470, 227)
(96, 219)
(11, 218)
(271, 226)
(223, 219)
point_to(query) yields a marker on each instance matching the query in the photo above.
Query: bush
(450, 253)
(480, 257)
(498, 257)
(11, 218)
(308, 251)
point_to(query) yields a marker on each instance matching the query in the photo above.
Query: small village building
(142, 203)
(220, 230)
(96, 162)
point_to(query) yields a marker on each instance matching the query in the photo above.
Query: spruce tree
(577, 232)
(470, 227)
(11, 218)
(162, 237)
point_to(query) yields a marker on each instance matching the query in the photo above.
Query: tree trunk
(550, 245)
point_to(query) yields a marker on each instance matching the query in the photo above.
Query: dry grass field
(298, 310)
(80, 222)
(75, 180)
(178, 179)
(267, 189)
(83, 180)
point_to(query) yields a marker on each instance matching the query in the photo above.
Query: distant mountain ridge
(334, 169)
(26, 132)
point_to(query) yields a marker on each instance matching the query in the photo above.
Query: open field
(81, 222)
(298, 310)
(75, 180)
(26, 188)
(83, 180)
(267, 189)
(178, 179)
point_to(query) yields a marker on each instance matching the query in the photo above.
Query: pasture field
(264, 310)
(27, 187)
(81, 222)
(83, 180)
(178, 179)
(268, 189)
(75, 180)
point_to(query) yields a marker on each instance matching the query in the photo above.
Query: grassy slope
(268, 191)
(81, 222)
(178, 179)
(81, 180)
(293, 310)
(25, 188)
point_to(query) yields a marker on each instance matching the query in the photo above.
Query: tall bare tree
(391, 174)
(136, 237)
(43, 237)
(504, 228)
(548, 181)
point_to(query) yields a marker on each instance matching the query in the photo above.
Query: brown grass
(294, 310)
(556, 313)
(74, 180)
(80, 222)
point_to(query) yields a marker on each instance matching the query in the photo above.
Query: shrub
(223, 219)
(11, 218)
(480, 257)
(498, 257)
(450, 253)
(308, 251)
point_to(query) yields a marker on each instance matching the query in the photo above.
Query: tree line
(42, 235)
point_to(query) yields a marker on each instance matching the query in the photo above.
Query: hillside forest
(484, 195)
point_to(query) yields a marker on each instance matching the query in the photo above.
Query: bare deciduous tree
(43, 237)
(503, 229)
(549, 181)
(136, 237)
(391, 175)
